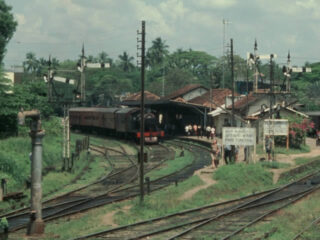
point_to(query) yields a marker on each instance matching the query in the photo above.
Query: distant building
(14, 76)
(187, 93)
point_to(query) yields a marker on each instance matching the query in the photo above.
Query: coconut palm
(157, 52)
(103, 57)
(31, 63)
(126, 62)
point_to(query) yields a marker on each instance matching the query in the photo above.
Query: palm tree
(126, 62)
(92, 59)
(42, 64)
(103, 57)
(55, 63)
(31, 63)
(157, 52)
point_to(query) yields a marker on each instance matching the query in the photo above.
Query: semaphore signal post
(78, 89)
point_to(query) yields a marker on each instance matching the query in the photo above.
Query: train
(122, 122)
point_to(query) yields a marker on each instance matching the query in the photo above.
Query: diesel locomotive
(122, 122)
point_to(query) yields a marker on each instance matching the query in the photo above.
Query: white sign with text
(239, 136)
(277, 127)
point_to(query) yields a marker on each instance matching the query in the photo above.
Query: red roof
(186, 89)
(218, 97)
(147, 96)
(243, 102)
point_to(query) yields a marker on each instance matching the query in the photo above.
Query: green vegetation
(304, 160)
(304, 170)
(15, 163)
(283, 150)
(3, 224)
(275, 165)
(233, 181)
(172, 166)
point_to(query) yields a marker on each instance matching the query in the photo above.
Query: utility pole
(272, 102)
(82, 76)
(141, 158)
(224, 22)
(162, 82)
(49, 78)
(232, 80)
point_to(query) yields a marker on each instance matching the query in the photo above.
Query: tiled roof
(244, 101)
(147, 96)
(183, 91)
(218, 98)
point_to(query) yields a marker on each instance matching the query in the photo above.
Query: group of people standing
(230, 154)
(197, 130)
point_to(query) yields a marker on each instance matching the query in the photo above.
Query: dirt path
(107, 219)
(205, 174)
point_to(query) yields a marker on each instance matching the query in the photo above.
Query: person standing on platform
(213, 132)
(215, 154)
(186, 129)
(236, 153)
(208, 131)
(227, 154)
(268, 146)
(199, 131)
(195, 128)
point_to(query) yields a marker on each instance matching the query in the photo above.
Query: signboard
(239, 136)
(276, 127)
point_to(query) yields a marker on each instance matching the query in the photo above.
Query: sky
(60, 27)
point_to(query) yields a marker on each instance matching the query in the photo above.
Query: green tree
(7, 27)
(157, 53)
(126, 62)
(103, 57)
(31, 63)
(200, 64)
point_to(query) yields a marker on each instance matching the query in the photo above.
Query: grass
(304, 160)
(275, 165)
(283, 150)
(172, 166)
(233, 181)
(14, 155)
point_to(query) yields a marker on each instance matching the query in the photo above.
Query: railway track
(300, 235)
(71, 203)
(216, 221)
(88, 195)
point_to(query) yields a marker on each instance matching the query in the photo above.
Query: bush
(298, 131)
(4, 224)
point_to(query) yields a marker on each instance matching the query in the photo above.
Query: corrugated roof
(218, 98)
(147, 96)
(183, 91)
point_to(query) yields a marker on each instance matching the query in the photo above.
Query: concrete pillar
(36, 225)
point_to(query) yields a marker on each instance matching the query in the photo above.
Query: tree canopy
(7, 27)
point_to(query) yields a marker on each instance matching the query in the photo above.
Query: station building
(188, 105)
(196, 104)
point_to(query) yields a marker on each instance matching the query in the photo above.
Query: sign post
(276, 127)
(239, 137)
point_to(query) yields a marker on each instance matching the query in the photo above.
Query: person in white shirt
(213, 132)
(208, 130)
